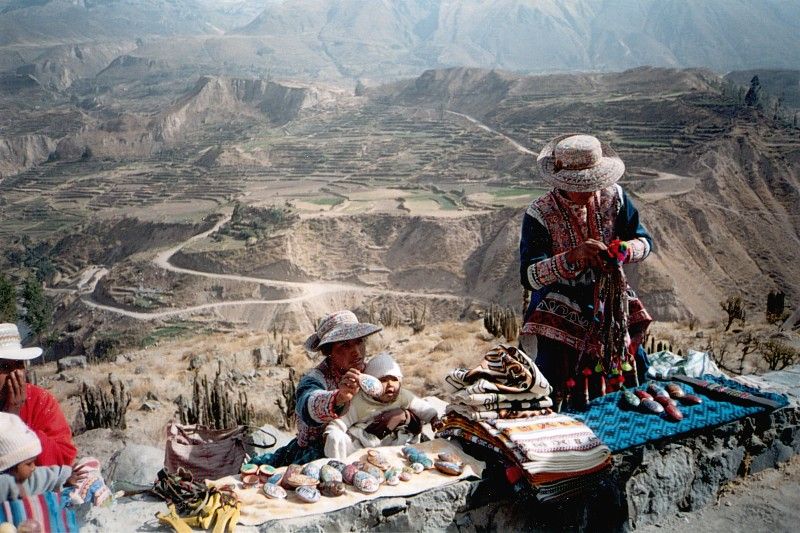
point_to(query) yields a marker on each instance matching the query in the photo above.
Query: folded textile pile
(503, 404)
(505, 384)
(559, 455)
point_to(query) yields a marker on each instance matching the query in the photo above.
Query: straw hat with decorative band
(579, 163)
(337, 327)
(11, 345)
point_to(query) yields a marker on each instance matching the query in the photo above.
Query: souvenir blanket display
(505, 384)
(326, 485)
(46, 509)
(621, 426)
(559, 455)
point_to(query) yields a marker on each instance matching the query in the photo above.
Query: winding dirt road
(308, 290)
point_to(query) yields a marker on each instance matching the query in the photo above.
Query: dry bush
(777, 354)
(734, 308)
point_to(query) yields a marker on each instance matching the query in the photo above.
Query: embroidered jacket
(553, 225)
(316, 404)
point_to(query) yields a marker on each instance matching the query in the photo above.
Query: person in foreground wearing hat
(325, 392)
(34, 405)
(571, 238)
(394, 419)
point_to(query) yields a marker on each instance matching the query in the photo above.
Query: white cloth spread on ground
(257, 508)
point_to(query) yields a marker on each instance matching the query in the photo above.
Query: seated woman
(34, 405)
(325, 392)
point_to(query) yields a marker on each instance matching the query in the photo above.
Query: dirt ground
(767, 501)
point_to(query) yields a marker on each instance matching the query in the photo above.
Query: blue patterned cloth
(620, 429)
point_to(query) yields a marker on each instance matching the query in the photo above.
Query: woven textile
(47, 509)
(621, 429)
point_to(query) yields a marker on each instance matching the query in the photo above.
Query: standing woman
(324, 393)
(572, 244)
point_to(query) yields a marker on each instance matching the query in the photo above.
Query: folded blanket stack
(503, 404)
(505, 384)
(559, 455)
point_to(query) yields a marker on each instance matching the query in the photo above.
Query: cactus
(388, 318)
(417, 320)
(105, 410)
(501, 322)
(734, 308)
(213, 407)
(287, 403)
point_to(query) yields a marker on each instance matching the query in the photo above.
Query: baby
(19, 475)
(395, 418)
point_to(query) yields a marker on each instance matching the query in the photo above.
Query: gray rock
(265, 356)
(135, 464)
(150, 405)
(75, 361)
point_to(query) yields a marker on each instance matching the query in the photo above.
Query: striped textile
(47, 509)
(472, 414)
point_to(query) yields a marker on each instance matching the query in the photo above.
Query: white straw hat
(11, 345)
(579, 163)
(18, 442)
(337, 327)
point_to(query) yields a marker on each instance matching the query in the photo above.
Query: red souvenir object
(642, 395)
(690, 399)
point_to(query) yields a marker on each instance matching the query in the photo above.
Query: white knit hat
(18, 442)
(382, 365)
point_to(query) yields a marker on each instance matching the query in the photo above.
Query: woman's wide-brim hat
(337, 327)
(11, 345)
(579, 163)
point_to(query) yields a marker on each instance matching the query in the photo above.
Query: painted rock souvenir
(392, 476)
(405, 475)
(371, 385)
(451, 469)
(365, 482)
(377, 458)
(642, 395)
(248, 468)
(291, 470)
(298, 480)
(250, 481)
(664, 400)
(265, 472)
(450, 458)
(672, 413)
(690, 399)
(307, 494)
(328, 473)
(373, 471)
(275, 478)
(675, 390)
(274, 491)
(417, 468)
(331, 489)
(651, 406)
(338, 465)
(415, 456)
(349, 472)
(656, 390)
(311, 470)
(629, 400)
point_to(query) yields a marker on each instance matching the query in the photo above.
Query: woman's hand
(15, 392)
(348, 387)
(591, 253)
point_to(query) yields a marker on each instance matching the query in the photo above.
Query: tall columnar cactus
(103, 409)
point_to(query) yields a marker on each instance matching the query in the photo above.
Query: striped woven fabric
(47, 509)
(550, 449)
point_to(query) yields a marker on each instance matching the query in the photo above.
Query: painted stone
(656, 390)
(276, 492)
(651, 406)
(371, 385)
(348, 473)
(328, 473)
(265, 472)
(373, 471)
(275, 478)
(300, 480)
(691, 399)
(417, 467)
(365, 482)
(331, 489)
(672, 413)
(378, 459)
(311, 470)
(307, 494)
(338, 465)
(675, 390)
(642, 395)
(291, 470)
(450, 458)
(250, 480)
(451, 469)
(664, 400)
(248, 468)
(393, 480)
(629, 400)
(405, 476)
